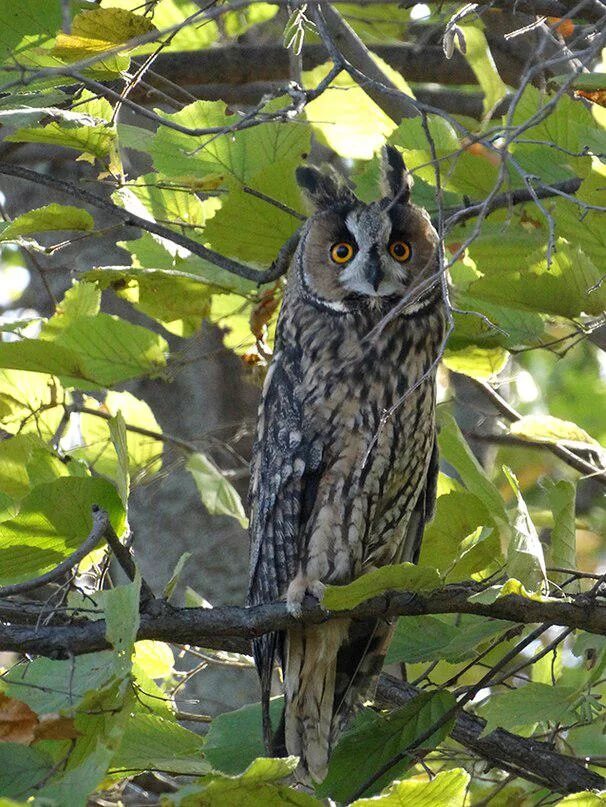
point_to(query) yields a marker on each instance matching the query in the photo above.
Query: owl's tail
(329, 669)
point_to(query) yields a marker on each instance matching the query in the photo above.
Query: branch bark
(231, 628)
(523, 756)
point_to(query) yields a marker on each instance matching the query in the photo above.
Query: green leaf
(517, 328)
(259, 786)
(562, 497)
(374, 739)
(551, 430)
(525, 559)
(347, 119)
(218, 496)
(584, 799)
(430, 638)
(240, 155)
(530, 704)
(54, 519)
(154, 659)
(90, 351)
(453, 540)
(178, 300)
(117, 430)
(22, 769)
(122, 623)
(454, 449)
(95, 140)
(48, 218)
(262, 228)
(477, 362)
(446, 789)
(169, 588)
(235, 738)
(94, 444)
(26, 41)
(480, 59)
(154, 743)
(564, 288)
(401, 576)
(82, 300)
(49, 686)
(30, 402)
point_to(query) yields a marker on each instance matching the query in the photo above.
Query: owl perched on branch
(345, 459)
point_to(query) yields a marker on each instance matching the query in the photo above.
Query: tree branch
(131, 220)
(567, 455)
(230, 627)
(523, 756)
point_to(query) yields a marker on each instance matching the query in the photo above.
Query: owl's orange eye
(399, 251)
(341, 252)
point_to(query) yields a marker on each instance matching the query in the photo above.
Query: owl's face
(351, 253)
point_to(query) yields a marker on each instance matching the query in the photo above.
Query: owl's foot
(297, 590)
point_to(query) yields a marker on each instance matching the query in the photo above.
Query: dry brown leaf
(563, 27)
(596, 96)
(56, 727)
(17, 721)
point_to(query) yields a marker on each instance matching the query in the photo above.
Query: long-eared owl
(345, 459)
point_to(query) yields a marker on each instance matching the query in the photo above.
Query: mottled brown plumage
(345, 461)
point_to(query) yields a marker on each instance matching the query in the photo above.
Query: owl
(345, 460)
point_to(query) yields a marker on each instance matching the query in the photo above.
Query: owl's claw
(298, 589)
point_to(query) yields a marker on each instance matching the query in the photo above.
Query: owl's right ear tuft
(324, 188)
(396, 181)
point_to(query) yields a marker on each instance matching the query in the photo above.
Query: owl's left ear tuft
(396, 181)
(324, 188)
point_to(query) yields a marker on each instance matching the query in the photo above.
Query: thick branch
(230, 627)
(523, 756)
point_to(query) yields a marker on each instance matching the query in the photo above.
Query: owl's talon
(298, 589)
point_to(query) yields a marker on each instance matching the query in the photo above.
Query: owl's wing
(286, 470)
(424, 508)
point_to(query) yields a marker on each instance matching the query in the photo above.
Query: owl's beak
(373, 272)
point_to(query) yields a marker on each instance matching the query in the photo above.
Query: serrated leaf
(49, 218)
(22, 769)
(446, 789)
(584, 799)
(30, 402)
(178, 300)
(525, 558)
(401, 576)
(530, 704)
(374, 739)
(217, 494)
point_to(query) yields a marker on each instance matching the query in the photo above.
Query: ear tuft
(324, 188)
(396, 181)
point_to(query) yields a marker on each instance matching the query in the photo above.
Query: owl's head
(351, 252)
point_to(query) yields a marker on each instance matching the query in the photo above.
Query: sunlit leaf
(49, 218)
(525, 558)
(218, 496)
(446, 789)
(402, 576)
(477, 362)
